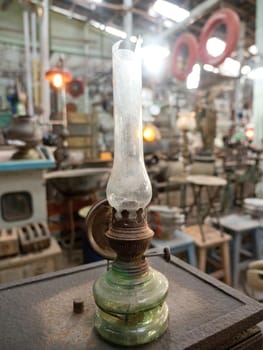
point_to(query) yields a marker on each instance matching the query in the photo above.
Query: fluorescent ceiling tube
(97, 25)
(112, 30)
(116, 32)
(169, 10)
(68, 13)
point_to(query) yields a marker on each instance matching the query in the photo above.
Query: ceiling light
(245, 70)
(155, 110)
(209, 68)
(253, 50)
(97, 25)
(79, 17)
(168, 23)
(116, 32)
(215, 46)
(112, 30)
(153, 57)
(152, 12)
(230, 67)
(169, 10)
(69, 14)
(192, 81)
(155, 50)
(133, 39)
(256, 74)
(58, 81)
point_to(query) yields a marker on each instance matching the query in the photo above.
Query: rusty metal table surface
(204, 313)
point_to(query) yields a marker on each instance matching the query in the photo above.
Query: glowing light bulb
(129, 187)
(150, 133)
(250, 132)
(57, 81)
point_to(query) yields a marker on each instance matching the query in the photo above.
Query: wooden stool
(180, 243)
(213, 239)
(239, 226)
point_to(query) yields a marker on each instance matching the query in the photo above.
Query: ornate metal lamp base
(131, 311)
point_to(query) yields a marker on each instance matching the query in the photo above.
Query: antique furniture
(83, 136)
(9, 244)
(76, 186)
(178, 182)
(180, 243)
(164, 220)
(254, 276)
(82, 181)
(173, 180)
(213, 240)
(206, 237)
(241, 167)
(204, 313)
(238, 226)
(31, 264)
(22, 193)
(209, 186)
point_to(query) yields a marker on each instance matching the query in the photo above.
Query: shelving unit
(83, 130)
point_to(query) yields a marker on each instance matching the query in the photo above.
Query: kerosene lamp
(130, 296)
(58, 78)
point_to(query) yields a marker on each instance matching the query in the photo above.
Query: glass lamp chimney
(129, 187)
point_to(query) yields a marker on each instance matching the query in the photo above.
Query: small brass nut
(78, 306)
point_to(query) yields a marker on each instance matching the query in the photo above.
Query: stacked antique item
(165, 220)
(254, 207)
(25, 133)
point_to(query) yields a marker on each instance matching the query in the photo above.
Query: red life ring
(188, 40)
(231, 20)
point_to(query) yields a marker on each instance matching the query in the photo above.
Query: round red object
(231, 20)
(75, 88)
(71, 107)
(185, 40)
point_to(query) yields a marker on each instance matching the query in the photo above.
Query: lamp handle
(97, 224)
